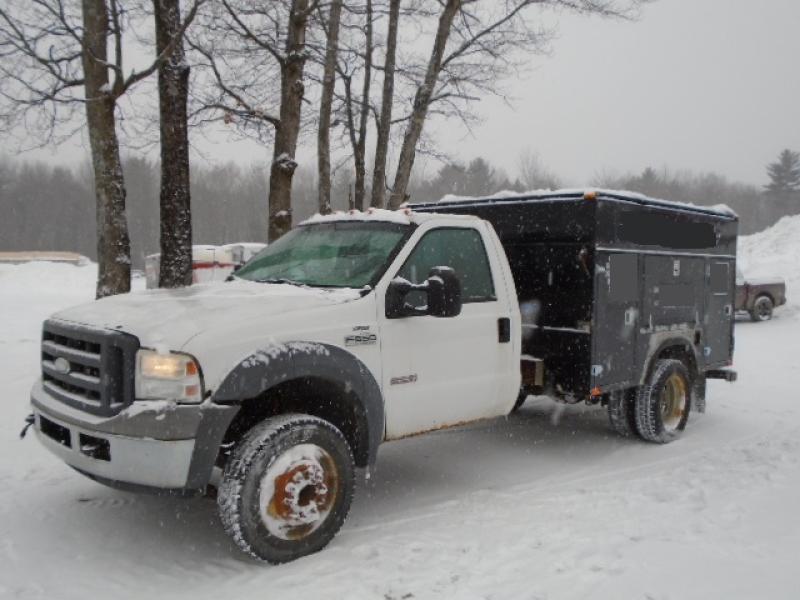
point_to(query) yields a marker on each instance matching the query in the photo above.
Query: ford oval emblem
(61, 365)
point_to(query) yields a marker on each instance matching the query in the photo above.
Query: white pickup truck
(351, 330)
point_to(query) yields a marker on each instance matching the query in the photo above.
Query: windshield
(349, 254)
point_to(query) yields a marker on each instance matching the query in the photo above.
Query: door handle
(504, 330)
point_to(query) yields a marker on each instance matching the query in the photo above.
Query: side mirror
(396, 298)
(442, 288)
(444, 292)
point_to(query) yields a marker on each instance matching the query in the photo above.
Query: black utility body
(609, 282)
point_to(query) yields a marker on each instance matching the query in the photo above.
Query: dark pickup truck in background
(759, 297)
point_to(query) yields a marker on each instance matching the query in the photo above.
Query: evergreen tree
(784, 174)
(480, 178)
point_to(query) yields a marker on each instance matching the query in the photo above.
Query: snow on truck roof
(720, 210)
(407, 214)
(402, 216)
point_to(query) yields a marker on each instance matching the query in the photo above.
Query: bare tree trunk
(385, 121)
(422, 101)
(113, 242)
(173, 91)
(283, 155)
(326, 100)
(360, 149)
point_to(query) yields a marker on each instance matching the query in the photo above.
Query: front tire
(762, 309)
(287, 488)
(662, 406)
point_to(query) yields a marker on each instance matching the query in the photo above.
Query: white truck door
(443, 371)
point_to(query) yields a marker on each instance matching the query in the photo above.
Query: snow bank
(49, 277)
(774, 253)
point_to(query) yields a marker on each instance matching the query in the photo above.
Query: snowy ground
(544, 504)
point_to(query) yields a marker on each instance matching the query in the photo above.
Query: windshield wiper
(281, 280)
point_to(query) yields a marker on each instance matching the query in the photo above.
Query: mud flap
(699, 394)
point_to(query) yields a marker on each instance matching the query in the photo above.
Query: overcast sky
(706, 85)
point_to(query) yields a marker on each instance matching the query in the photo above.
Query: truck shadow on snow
(542, 441)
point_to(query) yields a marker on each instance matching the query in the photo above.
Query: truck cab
(358, 328)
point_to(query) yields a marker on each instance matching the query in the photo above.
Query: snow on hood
(172, 317)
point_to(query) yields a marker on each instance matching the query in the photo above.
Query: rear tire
(287, 488)
(663, 405)
(762, 309)
(622, 413)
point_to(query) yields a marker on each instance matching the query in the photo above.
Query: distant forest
(48, 207)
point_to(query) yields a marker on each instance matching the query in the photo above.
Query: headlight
(168, 377)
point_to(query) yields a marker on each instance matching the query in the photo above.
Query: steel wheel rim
(298, 491)
(763, 309)
(673, 402)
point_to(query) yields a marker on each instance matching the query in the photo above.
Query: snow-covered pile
(48, 277)
(32, 291)
(774, 252)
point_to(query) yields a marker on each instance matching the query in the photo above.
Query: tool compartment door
(674, 292)
(617, 299)
(718, 321)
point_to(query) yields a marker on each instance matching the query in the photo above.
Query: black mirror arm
(414, 311)
(402, 287)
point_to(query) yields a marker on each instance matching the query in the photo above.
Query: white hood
(170, 318)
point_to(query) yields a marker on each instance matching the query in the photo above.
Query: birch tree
(325, 104)
(378, 198)
(476, 45)
(356, 108)
(422, 100)
(243, 49)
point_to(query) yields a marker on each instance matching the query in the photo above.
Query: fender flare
(673, 340)
(273, 365)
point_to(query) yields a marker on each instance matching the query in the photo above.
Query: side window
(460, 249)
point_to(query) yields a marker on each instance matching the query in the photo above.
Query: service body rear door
(617, 294)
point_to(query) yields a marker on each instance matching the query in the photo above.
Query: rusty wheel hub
(298, 491)
(673, 402)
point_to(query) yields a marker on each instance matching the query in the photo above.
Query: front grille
(89, 369)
